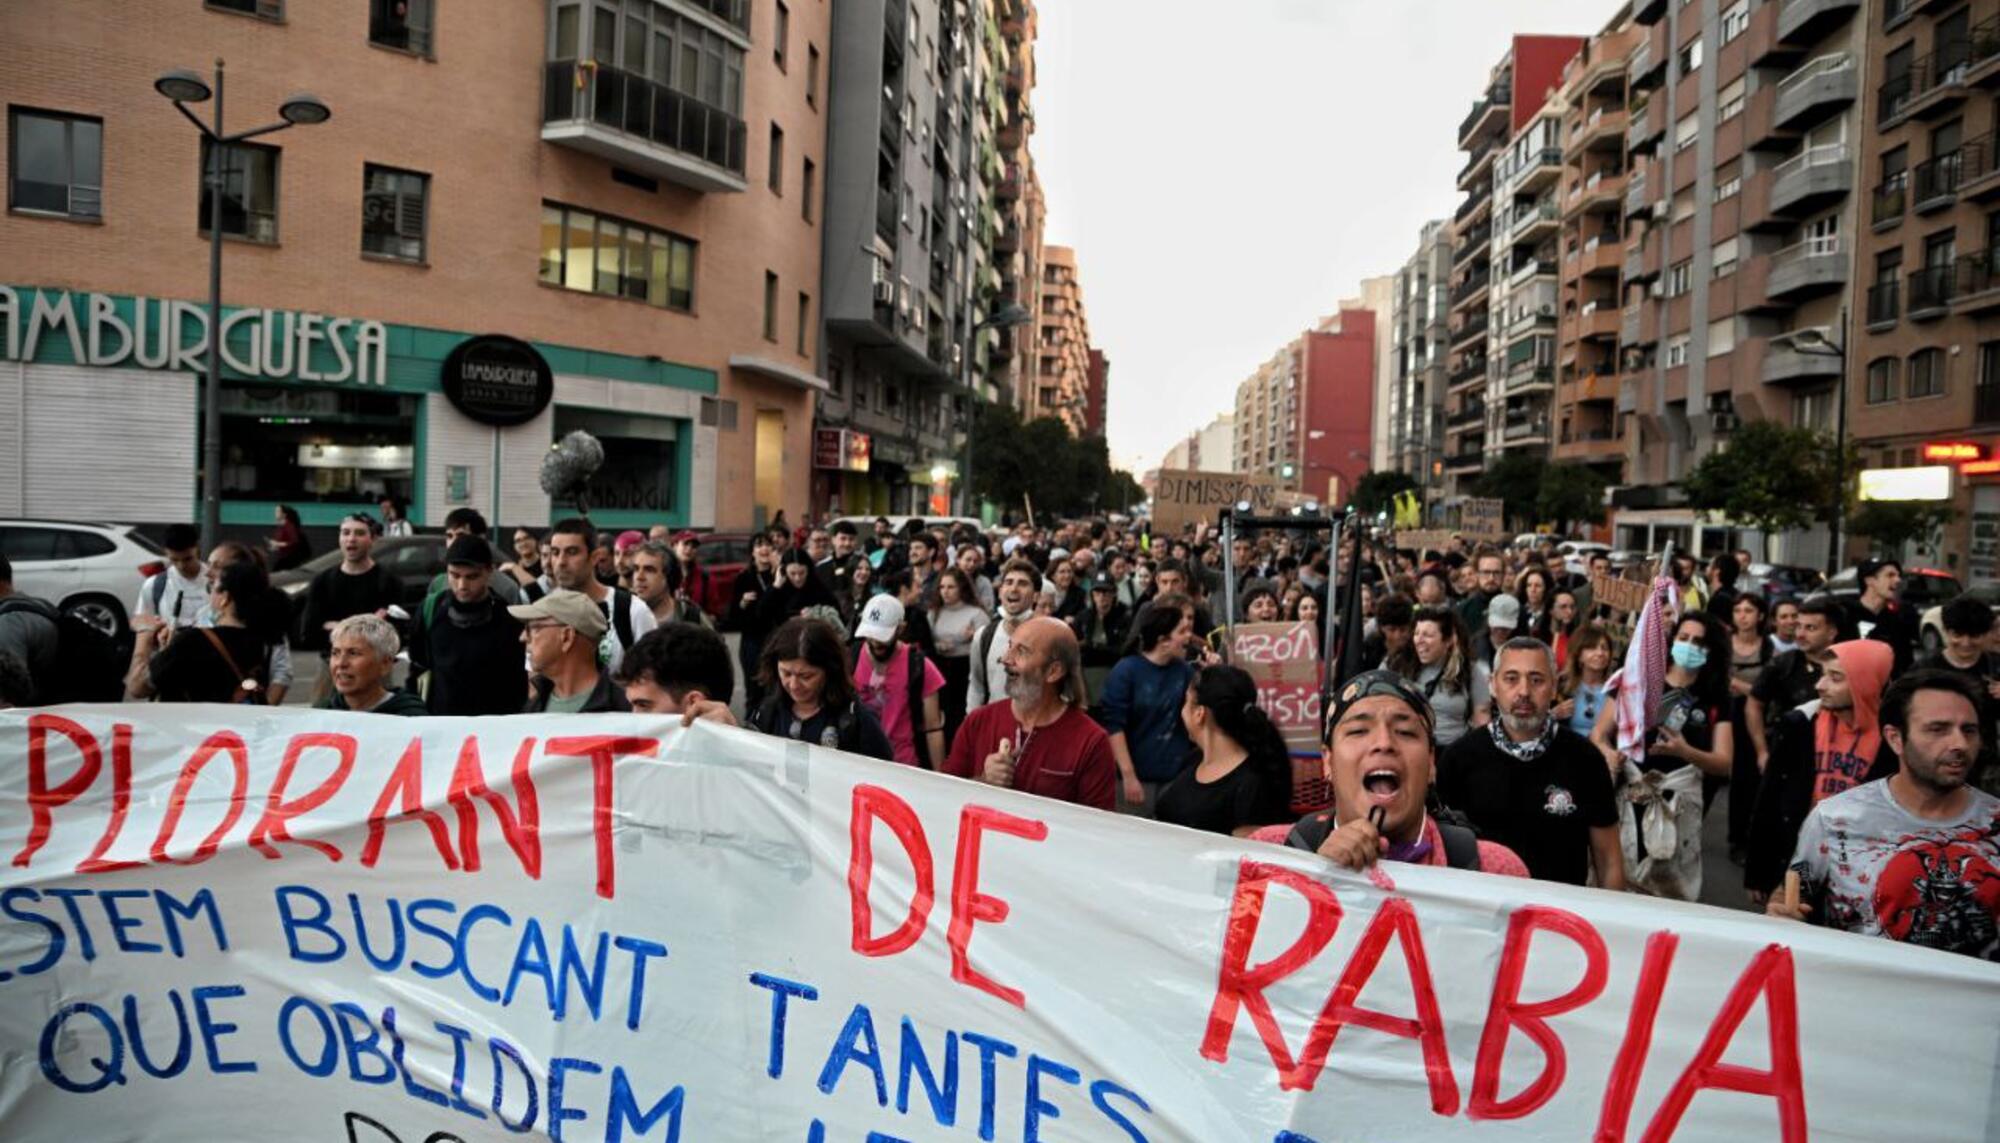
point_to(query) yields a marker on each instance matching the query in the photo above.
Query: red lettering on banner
(969, 905)
(468, 781)
(872, 804)
(277, 811)
(121, 801)
(406, 783)
(222, 741)
(44, 798)
(1630, 1064)
(1769, 975)
(603, 750)
(1240, 986)
(1395, 919)
(1507, 1012)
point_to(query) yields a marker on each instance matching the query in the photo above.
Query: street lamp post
(184, 87)
(1814, 342)
(1010, 315)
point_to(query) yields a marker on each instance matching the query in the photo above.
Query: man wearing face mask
(1038, 739)
(1820, 749)
(1533, 784)
(1379, 757)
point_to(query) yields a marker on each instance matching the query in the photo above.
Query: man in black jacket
(467, 641)
(357, 585)
(745, 617)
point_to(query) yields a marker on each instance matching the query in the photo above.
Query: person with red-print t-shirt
(1038, 739)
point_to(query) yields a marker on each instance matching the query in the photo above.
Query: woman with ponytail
(1240, 776)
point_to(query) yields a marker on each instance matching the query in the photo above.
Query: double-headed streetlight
(1815, 341)
(300, 109)
(1006, 317)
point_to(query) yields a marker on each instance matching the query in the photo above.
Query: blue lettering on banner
(183, 1042)
(213, 1029)
(1038, 1107)
(782, 990)
(329, 1054)
(128, 932)
(943, 1098)
(847, 1049)
(989, 1048)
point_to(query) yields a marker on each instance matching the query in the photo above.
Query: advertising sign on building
(498, 380)
(842, 450)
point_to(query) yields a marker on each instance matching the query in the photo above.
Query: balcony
(1639, 191)
(1978, 286)
(1589, 445)
(1527, 376)
(1803, 21)
(1604, 130)
(1598, 321)
(1466, 460)
(1979, 169)
(1648, 11)
(1601, 257)
(1478, 168)
(1934, 182)
(1008, 241)
(1938, 81)
(1541, 169)
(1536, 223)
(1472, 414)
(1470, 242)
(1931, 289)
(1475, 284)
(1472, 328)
(1789, 367)
(1816, 91)
(1485, 115)
(1522, 430)
(1008, 188)
(641, 125)
(1806, 269)
(1815, 177)
(1639, 325)
(1891, 200)
(1538, 320)
(1473, 369)
(1531, 269)
(1646, 124)
(1645, 69)
(1885, 305)
(1983, 67)
(1602, 193)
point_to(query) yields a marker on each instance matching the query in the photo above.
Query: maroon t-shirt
(1069, 759)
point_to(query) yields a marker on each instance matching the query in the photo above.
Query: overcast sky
(1228, 172)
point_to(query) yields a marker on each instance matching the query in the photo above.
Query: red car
(723, 557)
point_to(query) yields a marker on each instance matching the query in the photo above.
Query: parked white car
(92, 571)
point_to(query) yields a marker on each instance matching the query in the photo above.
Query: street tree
(1376, 491)
(1516, 480)
(1771, 476)
(1570, 492)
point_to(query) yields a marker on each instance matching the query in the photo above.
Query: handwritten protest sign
(1422, 540)
(1482, 518)
(219, 923)
(1283, 659)
(1628, 595)
(1181, 497)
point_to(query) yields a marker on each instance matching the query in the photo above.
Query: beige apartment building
(632, 190)
(1062, 343)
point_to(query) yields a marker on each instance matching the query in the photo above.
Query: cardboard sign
(224, 923)
(1628, 595)
(1284, 660)
(1483, 519)
(1181, 498)
(1420, 540)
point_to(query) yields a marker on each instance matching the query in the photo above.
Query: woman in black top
(811, 692)
(799, 587)
(223, 663)
(1240, 777)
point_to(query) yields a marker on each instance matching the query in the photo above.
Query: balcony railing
(1472, 285)
(1978, 272)
(1835, 63)
(1885, 302)
(621, 101)
(1936, 180)
(1474, 325)
(1470, 242)
(1891, 198)
(1473, 370)
(1471, 415)
(1472, 118)
(1819, 156)
(1544, 211)
(1931, 290)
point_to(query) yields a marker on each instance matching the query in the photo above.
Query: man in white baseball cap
(899, 684)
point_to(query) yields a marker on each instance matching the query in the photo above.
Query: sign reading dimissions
(498, 380)
(1181, 497)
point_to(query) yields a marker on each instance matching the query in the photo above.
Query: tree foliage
(1516, 480)
(1893, 524)
(1772, 477)
(1376, 491)
(1570, 492)
(1014, 461)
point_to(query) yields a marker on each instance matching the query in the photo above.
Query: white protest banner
(224, 923)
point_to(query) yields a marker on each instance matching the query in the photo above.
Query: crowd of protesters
(1490, 727)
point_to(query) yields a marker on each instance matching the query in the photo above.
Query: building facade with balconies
(1420, 350)
(905, 267)
(1305, 417)
(1061, 385)
(1595, 186)
(1924, 343)
(1740, 233)
(631, 190)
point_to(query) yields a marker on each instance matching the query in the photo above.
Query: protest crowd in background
(1496, 723)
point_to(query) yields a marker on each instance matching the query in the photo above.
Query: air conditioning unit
(885, 293)
(1659, 289)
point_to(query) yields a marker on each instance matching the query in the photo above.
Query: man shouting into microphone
(1038, 738)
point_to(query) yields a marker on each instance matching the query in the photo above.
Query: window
(1721, 337)
(55, 164)
(394, 206)
(1822, 233)
(1728, 180)
(805, 319)
(596, 255)
(1679, 277)
(405, 25)
(1683, 206)
(1729, 101)
(807, 174)
(781, 34)
(249, 191)
(1882, 380)
(1677, 350)
(812, 76)
(1889, 264)
(1723, 258)
(1687, 130)
(770, 306)
(1691, 57)
(262, 9)
(776, 176)
(1735, 19)
(327, 445)
(1926, 373)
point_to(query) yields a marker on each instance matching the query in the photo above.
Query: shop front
(328, 414)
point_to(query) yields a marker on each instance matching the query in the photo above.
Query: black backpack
(88, 666)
